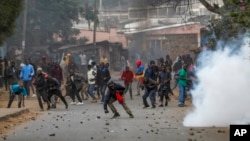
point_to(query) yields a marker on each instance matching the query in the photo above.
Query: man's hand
(106, 111)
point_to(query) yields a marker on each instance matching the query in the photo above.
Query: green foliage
(47, 18)
(234, 21)
(9, 11)
(90, 14)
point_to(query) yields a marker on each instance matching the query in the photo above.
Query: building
(157, 42)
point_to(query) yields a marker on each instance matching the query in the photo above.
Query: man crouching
(115, 92)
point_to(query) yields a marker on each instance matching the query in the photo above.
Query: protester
(20, 91)
(115, 92)
(53, 88)
(41, 92)
(128, 76)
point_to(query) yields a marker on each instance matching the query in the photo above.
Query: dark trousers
(59, 94)
(26, 85)
(163, 92)
(103, 89)
(75, 92)
(151, 94)
(12, 96)
(6, 84)
(42, 94)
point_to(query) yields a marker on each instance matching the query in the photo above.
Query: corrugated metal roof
(161, 27)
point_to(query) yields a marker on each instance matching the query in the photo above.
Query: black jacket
(40, 82)
(111, 93)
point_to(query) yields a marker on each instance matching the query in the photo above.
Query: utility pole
(94, 34)
(24, 28)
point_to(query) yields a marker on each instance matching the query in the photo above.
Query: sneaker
(79, 103)
(161, 105)
(34, 95)
(115, 115)
(181, 105)
(153, 107)
(145, 107)
(66, 106)
(73, 103)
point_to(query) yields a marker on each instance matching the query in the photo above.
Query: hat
(152, 62)
(22, 64)
(110, 83)
(39, 69)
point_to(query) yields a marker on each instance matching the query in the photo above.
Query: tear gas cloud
(221, 96)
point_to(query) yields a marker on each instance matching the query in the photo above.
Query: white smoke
(222, 94)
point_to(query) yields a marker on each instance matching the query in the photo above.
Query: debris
(53, 134)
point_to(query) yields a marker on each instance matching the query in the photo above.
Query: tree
(10, 10)
(47, 19)
(90, 14)
(234, 15)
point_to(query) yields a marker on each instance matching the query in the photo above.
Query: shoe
(34, 95)
(145, 107)
(153, 107)
(166, 103)
(66, 106)
(73, 103)
(131, 116)
(48, 107)
(181, 105)
(53, 106)
(138, 94)
(99, 97)
(101, 102)
(161, 105)
(79, 103)
(94, 101)
(115, 115)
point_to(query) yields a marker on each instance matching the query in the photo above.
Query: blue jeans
(103, 89)
(182, 94)
(151, 95)
(90, 90)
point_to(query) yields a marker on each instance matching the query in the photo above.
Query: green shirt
(182, 80)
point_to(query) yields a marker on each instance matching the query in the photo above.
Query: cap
(39, 69)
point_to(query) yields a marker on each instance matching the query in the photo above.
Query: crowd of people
(92, 79)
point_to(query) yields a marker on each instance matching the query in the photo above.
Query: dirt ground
(12, 122)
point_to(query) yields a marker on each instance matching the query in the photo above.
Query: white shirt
(90, 76)
(83, 58)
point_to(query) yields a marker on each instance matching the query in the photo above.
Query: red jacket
(127, 76)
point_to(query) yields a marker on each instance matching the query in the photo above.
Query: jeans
(103, 89)
(182, 95)
(90, 90)
(151, 94)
